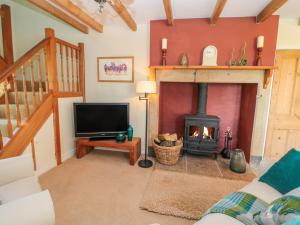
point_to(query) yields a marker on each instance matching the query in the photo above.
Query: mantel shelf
(197, 67)
(268, 69)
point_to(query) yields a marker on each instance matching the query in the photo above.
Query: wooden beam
(118, 6)
(168, 9)
(44, 5)
(80, 14)
(217, 11)
(272, 7)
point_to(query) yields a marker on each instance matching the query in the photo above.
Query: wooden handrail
(60, 41)
(28, 55)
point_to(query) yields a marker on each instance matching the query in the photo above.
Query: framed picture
(116, 69)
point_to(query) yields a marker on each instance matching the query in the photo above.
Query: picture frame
(115, 69)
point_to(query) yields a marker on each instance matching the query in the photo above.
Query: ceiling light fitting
(102, 4)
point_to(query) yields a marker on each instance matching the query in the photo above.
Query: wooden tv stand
(84, 146)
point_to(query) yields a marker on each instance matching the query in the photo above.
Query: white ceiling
(145, 10)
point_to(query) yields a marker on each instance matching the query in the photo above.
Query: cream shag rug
(185, 195)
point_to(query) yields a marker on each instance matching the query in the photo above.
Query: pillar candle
(260, 41)
(164, 43)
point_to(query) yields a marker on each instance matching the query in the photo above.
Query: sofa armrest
(36, 209)
(13, 169)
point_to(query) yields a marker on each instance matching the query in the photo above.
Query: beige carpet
(185, 195)
(102, 189)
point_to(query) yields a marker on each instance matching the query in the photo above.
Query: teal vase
(238, 162)
(130, 133)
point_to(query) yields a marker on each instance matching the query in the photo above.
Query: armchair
(22, 202)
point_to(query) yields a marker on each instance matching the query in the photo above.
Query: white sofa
(258, 189)
(22, 202)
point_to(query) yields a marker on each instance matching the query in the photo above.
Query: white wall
(66, 120)
(288, 34)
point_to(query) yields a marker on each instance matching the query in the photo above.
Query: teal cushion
(279, 211)
(293, 222)
(284, 175)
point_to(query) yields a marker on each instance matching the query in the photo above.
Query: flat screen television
(100, 119)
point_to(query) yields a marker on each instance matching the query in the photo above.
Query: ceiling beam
(169, 13)
(118, 6)
(44, 5)
(272, 7)
(80, 14)
(217, 11)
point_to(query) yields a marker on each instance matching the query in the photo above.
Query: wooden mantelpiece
(268, 70)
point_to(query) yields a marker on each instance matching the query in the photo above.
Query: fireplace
(201, 132)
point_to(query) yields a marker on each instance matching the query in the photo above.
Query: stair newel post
(19, 119)
(32, 84)
(81, 70)
(25, 90)
(53, 86)
(8, 115)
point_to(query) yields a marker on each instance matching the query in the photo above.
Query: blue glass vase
(130, 133)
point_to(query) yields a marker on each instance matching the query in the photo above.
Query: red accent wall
(223, 101)
(233, 103)
(191, 36)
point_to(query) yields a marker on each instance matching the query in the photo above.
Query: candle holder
(259, 57)
(164, 57)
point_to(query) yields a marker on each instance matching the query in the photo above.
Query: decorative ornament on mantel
(232, 62)
(243, 61)
(210, 56)
(184, 59)
(260, 46)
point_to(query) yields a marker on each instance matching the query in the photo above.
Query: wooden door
(284, 121)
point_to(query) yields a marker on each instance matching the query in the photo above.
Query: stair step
(3, 126)
(13, 111)
(22, 97)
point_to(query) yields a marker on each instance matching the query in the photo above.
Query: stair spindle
(40, 84)
(33, 154)
(77, 71)
(62, 67)
(34, 100)
(8, 115)
(72, 65)
(46, 70)
(19, 119)
(1, 141)
(68, 75)
(25, 91)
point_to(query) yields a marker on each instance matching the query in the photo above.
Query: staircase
(30, 88)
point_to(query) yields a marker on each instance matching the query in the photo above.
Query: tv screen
(100, 119)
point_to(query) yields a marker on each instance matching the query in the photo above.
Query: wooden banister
(28, 72)
(7, 72)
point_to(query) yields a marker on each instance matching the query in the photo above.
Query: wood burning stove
(201, 133)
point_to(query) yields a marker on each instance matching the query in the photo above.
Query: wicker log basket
(168, 155)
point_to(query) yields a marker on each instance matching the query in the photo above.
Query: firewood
(163, 137)
(172, 137)
(157, 141)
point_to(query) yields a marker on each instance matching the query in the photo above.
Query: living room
(149, 112)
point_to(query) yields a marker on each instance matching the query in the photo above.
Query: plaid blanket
(239, 205)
